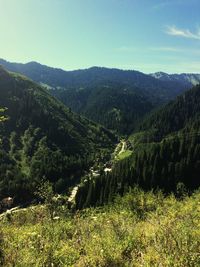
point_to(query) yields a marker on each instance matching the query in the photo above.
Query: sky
(144, 35)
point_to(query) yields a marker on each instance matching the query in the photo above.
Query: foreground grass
(140, 229)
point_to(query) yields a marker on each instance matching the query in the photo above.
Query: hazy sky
(146, 35)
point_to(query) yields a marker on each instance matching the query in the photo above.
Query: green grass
(140, 229)
(124, 154)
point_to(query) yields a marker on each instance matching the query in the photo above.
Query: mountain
(117, 99)
(42, 139)
(58, 78)
(183, 113)
(116, 106)
(165, 155)
(186, 79)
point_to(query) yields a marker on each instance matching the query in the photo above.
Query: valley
(96, 170)
(87, 154)
(99, 133)
(64, 167)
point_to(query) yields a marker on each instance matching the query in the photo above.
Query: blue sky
(145, 35)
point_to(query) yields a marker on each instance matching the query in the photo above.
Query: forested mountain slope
(166, 154)
(184, 112)
(116, 106)
(42, 139)
(118, 99)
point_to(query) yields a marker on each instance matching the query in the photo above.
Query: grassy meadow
(140, 229)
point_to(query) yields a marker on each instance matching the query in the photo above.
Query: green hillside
(118, 107)
(184, 112)
(42, 139)
(166, 154)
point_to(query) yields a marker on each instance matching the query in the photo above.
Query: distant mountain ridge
(58, 78)
(187, 79)
(117, 99)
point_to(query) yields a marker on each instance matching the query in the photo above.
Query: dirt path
(123, 147)
(73, 194)
(15, 210)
